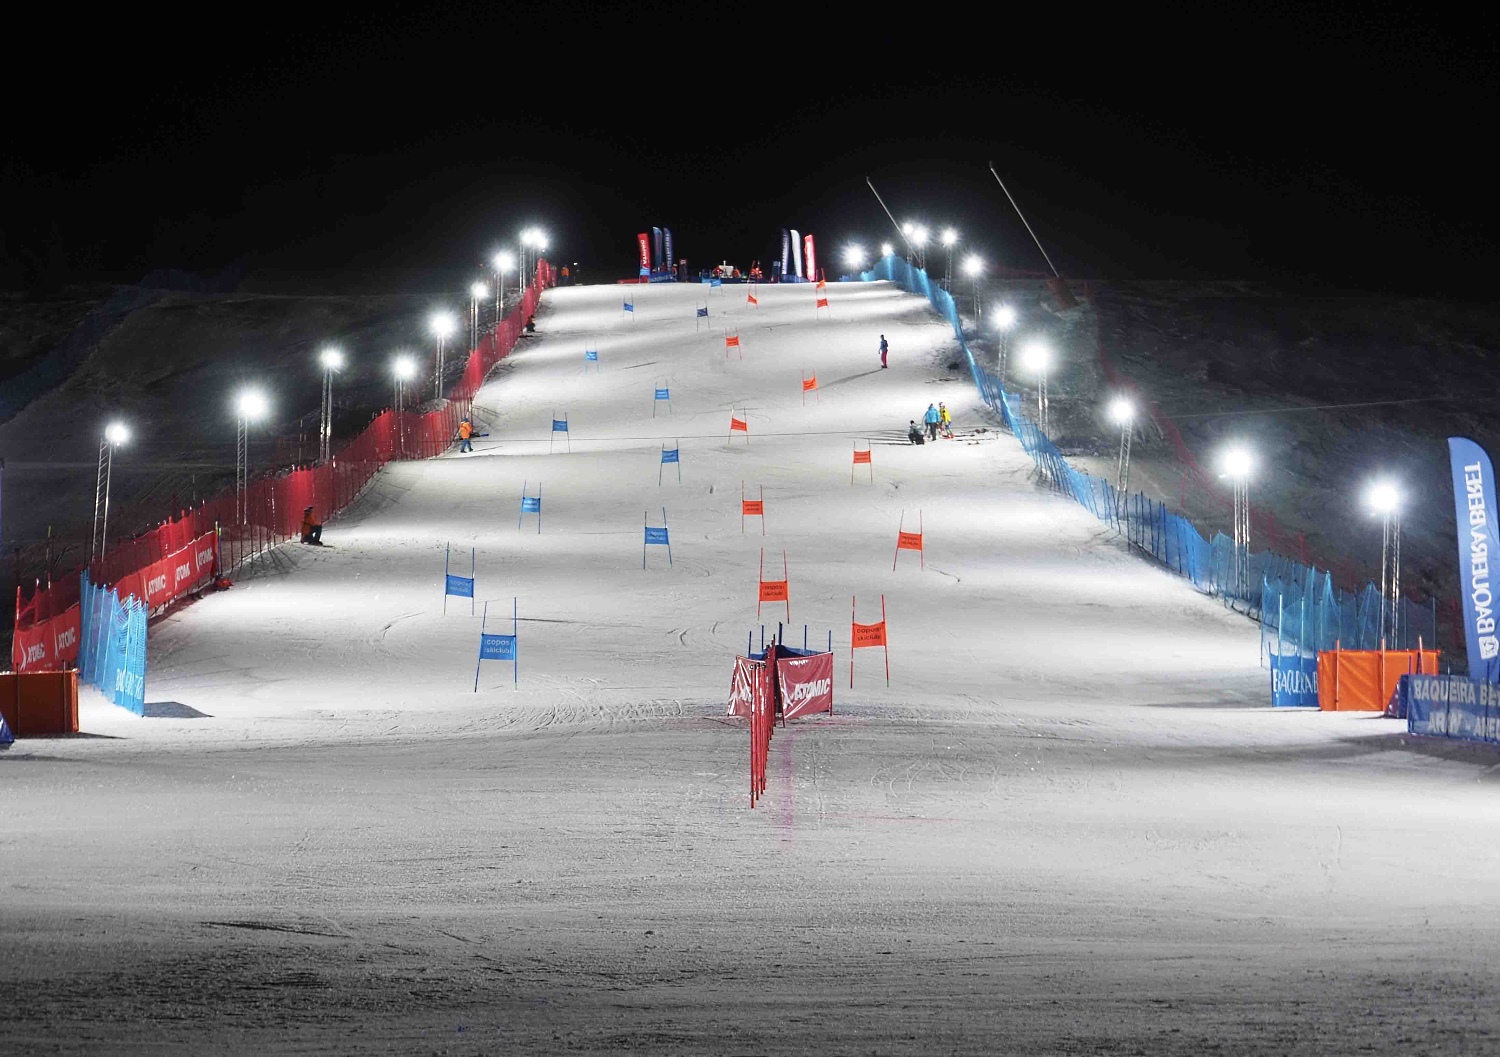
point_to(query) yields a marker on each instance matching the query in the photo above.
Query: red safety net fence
(242, 525)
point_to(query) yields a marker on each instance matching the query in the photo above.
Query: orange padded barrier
(1363, 680)
(40, 702)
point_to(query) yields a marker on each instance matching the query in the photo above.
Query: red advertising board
(806, 685)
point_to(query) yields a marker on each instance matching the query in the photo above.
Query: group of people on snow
(936, 421)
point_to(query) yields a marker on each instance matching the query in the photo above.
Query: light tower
(1005, 319)
(1385, 500)
(949, 238)
(1037, 359)
(1237, 466)
(442, 325)
(404, 369)
(1122, 413)
(251, 406)
(115, 434)
(332, 361)
(504, 261)
(477, 293)
(854, 257)
(974, 268)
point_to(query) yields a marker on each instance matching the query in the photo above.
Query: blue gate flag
(629, 307)
(703, 311)
(591, 354)
(559, 425)
(663, 394)
(1294, 681)
(500, 647)
(670, 454)
(716, 282)
(1478, 545)
(656, 535)
(461, 586)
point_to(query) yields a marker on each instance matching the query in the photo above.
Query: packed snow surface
(1071, 824)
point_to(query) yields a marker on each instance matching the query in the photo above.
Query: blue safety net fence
(112, 645)
(1298, 606)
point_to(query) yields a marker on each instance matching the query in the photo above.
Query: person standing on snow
(932, 418)
(945, 420)
(884, 348)
(465, 432)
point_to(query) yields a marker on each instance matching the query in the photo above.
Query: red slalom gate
(738, 425)
(751, 694)
(862, 457)
(268, 512)
(774, 590)
(909, 541)
(753, 508)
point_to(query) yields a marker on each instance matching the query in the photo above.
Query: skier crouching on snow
(914, 432)
(312, 529)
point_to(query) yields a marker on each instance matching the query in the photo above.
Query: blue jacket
(931, 416)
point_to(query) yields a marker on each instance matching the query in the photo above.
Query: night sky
(1292, 144)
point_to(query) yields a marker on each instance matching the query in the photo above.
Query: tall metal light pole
(1037, 358)
(403, 368)
(908, 230)
(949, 238)
(974, 268)
(1122, 414)
(115, 434)
(504, 261)
(477, 293)
(1385, 500)
(919, 240)
(442, 325)
(1005, 319)
(1237, 467)
(332, 361)
(250, 407)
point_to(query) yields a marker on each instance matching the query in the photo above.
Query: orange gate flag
(862, 635)
(809, 384)
(738, 424)
(731, 341)
(753, 508)
(862, 457)
(775, 590)
(750, 298)
(909, 541)
(822, 302)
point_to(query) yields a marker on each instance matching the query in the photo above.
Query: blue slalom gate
(559, 425)
(662, 393)
(500, 647)
(656, 537)
(458, 586)
(531, 504)
(670, 455)
(591, 356)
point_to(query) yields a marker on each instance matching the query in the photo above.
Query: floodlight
(1383, 497)
(949, 236)
(116, 433)
(973, 266)
(1005, 317)
(404, 367)
(442, 324)
(504, 261)
(1237, 462)
(1036, 357)
(252, 405)
(479, 290)
(331, 359)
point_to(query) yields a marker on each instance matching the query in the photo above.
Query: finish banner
(644, 242)
(1478, 544)
(796, 254)
(806, 685)
(812, 257)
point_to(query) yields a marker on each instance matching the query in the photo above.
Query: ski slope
(1070, 823)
